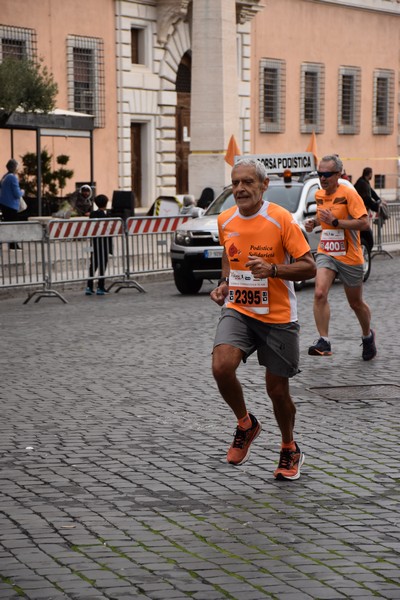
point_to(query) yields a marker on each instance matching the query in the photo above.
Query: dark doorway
(183, 87)
(136, 161)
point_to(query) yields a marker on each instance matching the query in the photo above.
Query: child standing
(100, 250)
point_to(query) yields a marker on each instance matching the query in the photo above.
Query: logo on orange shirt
(233, 252)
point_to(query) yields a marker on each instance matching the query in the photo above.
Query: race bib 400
(333, 242)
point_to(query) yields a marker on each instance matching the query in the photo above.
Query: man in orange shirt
(259, 310)
(342, 215)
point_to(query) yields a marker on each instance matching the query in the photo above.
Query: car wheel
(367, 259)
(186, 283)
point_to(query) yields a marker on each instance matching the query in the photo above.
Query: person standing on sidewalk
(102, 247)
(342, 215)
(259, 310)
(10, 196)
(10, 192)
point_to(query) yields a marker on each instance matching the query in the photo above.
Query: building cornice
(382, 6)
(247, 10)
(168, 13)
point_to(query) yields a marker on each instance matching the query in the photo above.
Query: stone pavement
(113, 480)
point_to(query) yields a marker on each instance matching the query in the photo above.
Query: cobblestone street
(113, 480)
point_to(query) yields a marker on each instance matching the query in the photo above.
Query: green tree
(53, 182)
(62, 174)
(26, 84)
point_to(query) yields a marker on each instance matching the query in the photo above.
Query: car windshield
(286, 195)
(224, 201)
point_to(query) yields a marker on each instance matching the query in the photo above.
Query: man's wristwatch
(223, 280)
(335, 222)
(274, 272)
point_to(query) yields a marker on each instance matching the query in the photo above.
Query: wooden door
(136, 161)
(182, 143)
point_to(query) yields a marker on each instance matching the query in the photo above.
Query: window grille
(138, 46)
(272, 95)
(380, 182)
(383, 102)
(312, 97)
(184, 76)
(18, 43)
(349, 100)
(135, 46)
(85, 66)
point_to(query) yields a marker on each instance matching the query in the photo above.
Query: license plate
(214, 253)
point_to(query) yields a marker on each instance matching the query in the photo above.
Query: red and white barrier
(138, 225)
(71, 228)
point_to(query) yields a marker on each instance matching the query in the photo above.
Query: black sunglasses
(327, 174)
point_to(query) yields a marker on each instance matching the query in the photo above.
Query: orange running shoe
(239, 451)
(290, 462)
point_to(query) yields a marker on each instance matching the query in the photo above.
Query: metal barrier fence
(74, 244)
(23, 255)
(61, 250)
(388, 232)
(148, 240)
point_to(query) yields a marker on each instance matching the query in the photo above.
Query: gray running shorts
(349, 275)
(277, 345)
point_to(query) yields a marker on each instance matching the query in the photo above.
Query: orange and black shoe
(320, 348)
(239, 451)
(290, 462)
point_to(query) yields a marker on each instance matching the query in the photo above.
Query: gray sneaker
(369, 348)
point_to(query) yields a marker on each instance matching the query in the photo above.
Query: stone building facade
(198, 80)
(331, 67)
(76, 41)
(173, 80)
(164, 85)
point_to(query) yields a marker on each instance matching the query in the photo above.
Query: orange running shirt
(342, 244)
(273, 235)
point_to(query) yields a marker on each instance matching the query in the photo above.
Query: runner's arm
(219, 294)
(225, 265)
(360, 224)
(303, 268)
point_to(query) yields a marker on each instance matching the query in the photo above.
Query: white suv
(195, 249)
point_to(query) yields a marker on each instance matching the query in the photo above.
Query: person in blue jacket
(10, 194)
